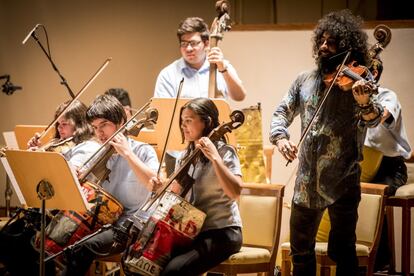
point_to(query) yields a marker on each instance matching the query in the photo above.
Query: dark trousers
(392, 172)
(304, 223)
(209, 249)
(16, 251)
(80, 259)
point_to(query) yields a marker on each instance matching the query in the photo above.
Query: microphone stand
(63, 80)
(72, 247)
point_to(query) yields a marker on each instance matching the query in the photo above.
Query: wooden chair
(404, 199)
(371, 212)
(261, 211)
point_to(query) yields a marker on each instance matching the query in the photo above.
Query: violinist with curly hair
(329, 170)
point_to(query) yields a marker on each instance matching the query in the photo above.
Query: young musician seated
(73, 135)
(217, 185)
(73, 138)
(130, 171)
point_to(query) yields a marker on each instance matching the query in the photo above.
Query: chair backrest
(261, 211)
(370, 214)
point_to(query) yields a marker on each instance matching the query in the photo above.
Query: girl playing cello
(216, 187)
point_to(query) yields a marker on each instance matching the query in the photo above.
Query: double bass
(372, 157)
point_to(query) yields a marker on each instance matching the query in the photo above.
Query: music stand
(45, 176)
(25, 132)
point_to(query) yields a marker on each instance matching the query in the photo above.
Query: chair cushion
(405, 190)
(249, 255)
(285, 245)
(370, 164)
(321, 248)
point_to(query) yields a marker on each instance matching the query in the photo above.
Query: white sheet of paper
(10, 139)
(13, 180)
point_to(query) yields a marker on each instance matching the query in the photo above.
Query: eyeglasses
(192, 43)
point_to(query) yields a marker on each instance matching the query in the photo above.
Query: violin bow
(180, 87)
(88, 83)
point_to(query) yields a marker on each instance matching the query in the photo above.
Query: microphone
(30, 34)
(8, 87)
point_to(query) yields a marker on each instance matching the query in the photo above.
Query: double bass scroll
(220, 24)
(382, 34)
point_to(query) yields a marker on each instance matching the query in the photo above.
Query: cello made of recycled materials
(174, 223)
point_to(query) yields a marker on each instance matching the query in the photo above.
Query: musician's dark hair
(193, 25)
(106, 107)
(208, 113)
(347, 31)
(121, 94)
(76, 114)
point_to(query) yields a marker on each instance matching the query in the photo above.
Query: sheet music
(10, 139)
(13, 180)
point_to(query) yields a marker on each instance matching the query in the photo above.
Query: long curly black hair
(346, 29)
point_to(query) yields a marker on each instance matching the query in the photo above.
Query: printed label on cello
(180, 215)
(143, 266)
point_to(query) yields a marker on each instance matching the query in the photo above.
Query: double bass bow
(220, 24)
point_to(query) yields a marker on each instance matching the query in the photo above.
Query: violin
(60, 146)
(349, 74)
(353, 72)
